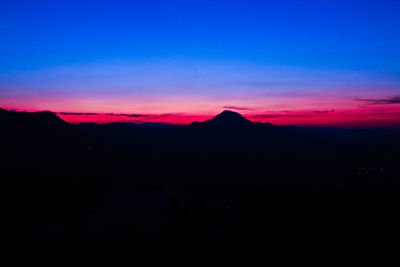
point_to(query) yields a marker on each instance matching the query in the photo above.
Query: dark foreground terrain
(226, 187)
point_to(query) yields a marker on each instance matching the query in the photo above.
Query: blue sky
(215, 51)
(349, 35)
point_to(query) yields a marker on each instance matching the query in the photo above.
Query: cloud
(102, 114)
(76, 113)
(380, 101)
(139, 118)
(236, 108)
(323, 111)
(291, 114)
(133, 115)
(165, 115)
(272, 115)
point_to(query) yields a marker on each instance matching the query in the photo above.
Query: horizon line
(322, 119)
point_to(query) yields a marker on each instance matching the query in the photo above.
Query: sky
(310, 63)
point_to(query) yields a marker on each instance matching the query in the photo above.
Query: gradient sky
(333, 63)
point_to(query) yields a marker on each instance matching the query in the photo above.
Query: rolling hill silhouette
(223, 182)
(226, 129)
(39, 134)
(46, 131)
(35, 120)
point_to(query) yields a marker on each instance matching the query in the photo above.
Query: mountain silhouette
(45, 131)
(60, 180)
(38, 119)
(233, 126)
(228, 118)
(226, 121)
(39, 132)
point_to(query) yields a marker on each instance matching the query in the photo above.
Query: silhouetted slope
(226, 129)
(227, 183)
(44, 126)
(36, 121)
(232, 129)
(228, 133)
(228, 119)
(231, 121)
(40, 134)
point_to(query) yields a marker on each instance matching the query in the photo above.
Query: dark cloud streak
(271, 116)
(102, 114)
(291, 114)
(146, 116)
(380, 101)
(236, 108)
(324, 111)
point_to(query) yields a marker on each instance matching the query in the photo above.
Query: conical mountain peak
(229, 118)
